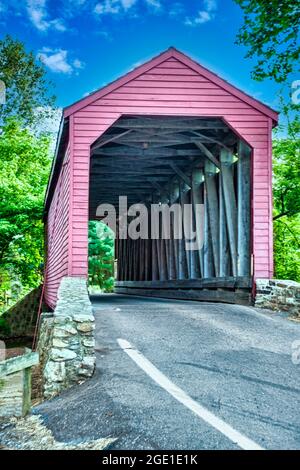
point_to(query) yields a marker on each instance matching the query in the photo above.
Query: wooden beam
(170, 123)
(185, 178)
(109, 138)
(208, 265)
(244, 209)
(122, 151)
(207, 153)
(210, 139)
(154, 261)
(142, 171)
(205, 295)
(223, 237)
(171, 252)
(226, 282)
(197, 200)
(230, 204)
(183, 272)
(213, 212)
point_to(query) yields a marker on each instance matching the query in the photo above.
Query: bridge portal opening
(202, 166)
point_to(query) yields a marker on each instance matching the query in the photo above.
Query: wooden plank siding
(170, 85)
(57, 233)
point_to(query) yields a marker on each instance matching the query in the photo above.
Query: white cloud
(128, 3)
(104, 34)
(156, 4)
(38, 14)
(208, 13)
(177, 9)
(114, 6)
(210, 5)
(78, 64)
(2, 7)
(58, 62)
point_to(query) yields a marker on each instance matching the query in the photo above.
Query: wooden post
(198, 222)
(223, 237)
(147, 275)
(183, 265)
(154, 261)
(129, 259)
(134, 243)
(213, 211)
(198, 199)
(171, 256)
(227, 176)
(119, 258)
(142, 260)
(164, 245)
(244, 209)
(175, 199)
(208, 266)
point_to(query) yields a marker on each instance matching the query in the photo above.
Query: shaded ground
(233, 360)
(31, 434)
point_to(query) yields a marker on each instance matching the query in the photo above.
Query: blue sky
(88, 43)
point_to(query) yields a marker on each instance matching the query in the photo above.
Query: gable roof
(168, 54)
(180, 56)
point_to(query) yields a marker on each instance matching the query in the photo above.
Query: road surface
(185, 375)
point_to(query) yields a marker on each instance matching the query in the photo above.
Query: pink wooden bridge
(168, 131)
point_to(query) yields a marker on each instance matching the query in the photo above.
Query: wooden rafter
(207, 153)
(110, 138)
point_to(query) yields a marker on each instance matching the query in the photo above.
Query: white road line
(235, 436)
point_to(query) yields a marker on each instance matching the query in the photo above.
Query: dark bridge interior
(184, 160)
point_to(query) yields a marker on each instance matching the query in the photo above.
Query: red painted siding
(171, 84)
(58, 234)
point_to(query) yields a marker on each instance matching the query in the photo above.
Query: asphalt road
(234, 361)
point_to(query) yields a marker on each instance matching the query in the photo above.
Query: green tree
(287, 248)
(24, 171)
(27, 88)
(286, 190)
(286, 165)
(101, 256)
(271, 34)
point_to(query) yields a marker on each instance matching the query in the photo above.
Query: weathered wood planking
(206, 295)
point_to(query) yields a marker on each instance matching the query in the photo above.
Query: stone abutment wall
(66, 340)
(278, 295)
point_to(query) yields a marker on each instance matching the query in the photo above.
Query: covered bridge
(168, 131)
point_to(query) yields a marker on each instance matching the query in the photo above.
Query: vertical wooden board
(225, 269)
(154, 260)
(183, 264)
(227, 176)
(163, 260)
(244, 209)
(146, 257)
(208, 265)
(171, 252)
(164, 249)
(213, 216)
(198, 200)
(174, 198)
(118, 257)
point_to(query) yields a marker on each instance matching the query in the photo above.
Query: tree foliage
(286, 190)
(101, 256)
(287, 248)
(286, 165)
(27, 88)
(271, 34)
(24, 171)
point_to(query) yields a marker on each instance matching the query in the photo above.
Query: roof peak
(155, 61)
